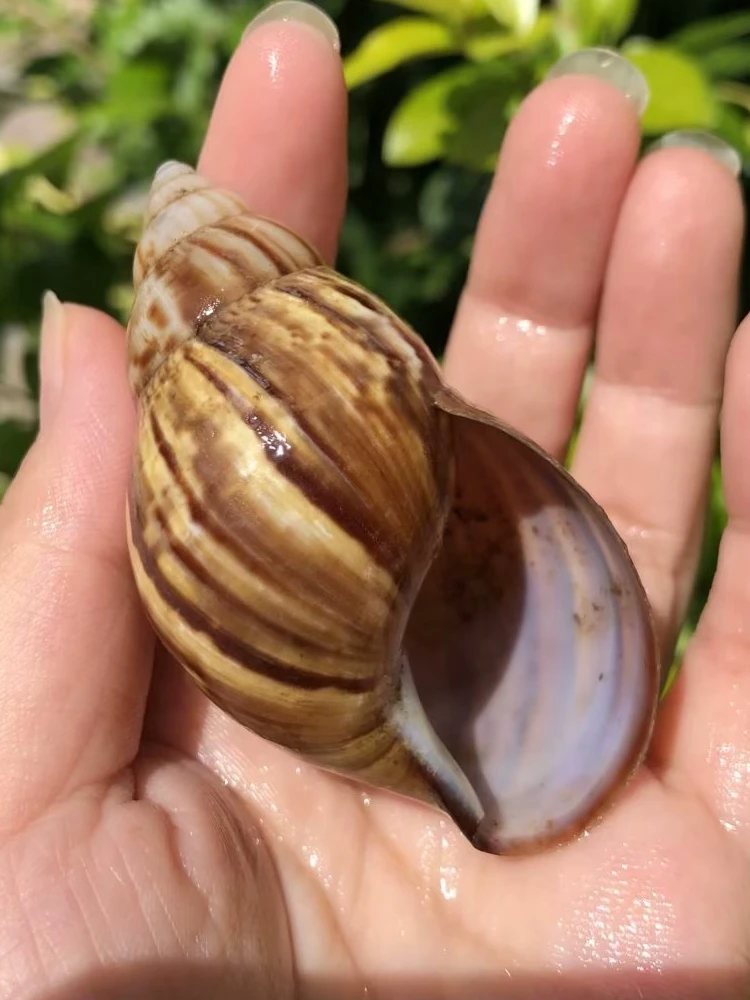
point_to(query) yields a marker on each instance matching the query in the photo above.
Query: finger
(524, 327)
(667, 316)
(73, 644)
(277, 134)
(704, 743)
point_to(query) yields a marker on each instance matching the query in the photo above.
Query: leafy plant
(499, 49)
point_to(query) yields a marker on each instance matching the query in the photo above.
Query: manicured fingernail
(52, 355)
(606, 64)
(709, 143)
(303, 13)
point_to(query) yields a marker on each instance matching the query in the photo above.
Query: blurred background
(94, 95)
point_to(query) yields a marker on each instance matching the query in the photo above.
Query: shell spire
(199, 249)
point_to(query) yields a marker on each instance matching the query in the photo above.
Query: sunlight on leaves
(394, 43)
(486, 45)
(518, 15)
(419, 126)
(595, 22)
(459, 115)
(454, 11)
(681, 94)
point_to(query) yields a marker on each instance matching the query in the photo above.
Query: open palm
(149, 845)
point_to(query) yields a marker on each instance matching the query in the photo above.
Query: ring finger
(667, 315)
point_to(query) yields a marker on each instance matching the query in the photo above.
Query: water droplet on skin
(449, 892)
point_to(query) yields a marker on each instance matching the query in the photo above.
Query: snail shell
(352, 560)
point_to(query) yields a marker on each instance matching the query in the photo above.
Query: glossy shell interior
(352, 560)
(531, 643)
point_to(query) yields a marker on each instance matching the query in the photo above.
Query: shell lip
(489, 840)
(635, 740)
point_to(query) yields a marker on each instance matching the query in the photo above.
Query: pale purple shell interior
(531, 644)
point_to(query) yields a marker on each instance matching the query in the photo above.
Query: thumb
(75, 650)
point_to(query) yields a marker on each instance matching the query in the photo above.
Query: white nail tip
(303, 13)
(608, 65)
(705, 141)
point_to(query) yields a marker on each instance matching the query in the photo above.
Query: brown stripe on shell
(288, 714)
(236, 533)
(281, 261)
(321, 575)
(193, 287)
(323, 484)
(210, 590)
(330, 376)
(330, 292)
(345, 292)
(312, 295)
(365, 314)
(157, 315)
(201, 273)
(172, 182)
(228, 644)
(377, 757)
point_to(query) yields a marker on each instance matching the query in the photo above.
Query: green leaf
(735, 93)
(460, 114)
(732, 127)
(484, 45)
(703, 36)
(394, 43)
(518, 15)
(137, 94)
(595, 22)
(727, 61)
(15, 441)
(450, 11)
(681, 95)
(417, 130)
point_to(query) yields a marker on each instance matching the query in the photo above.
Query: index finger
(277, 134)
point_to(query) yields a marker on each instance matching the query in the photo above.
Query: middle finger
(524, 328)
(668, 312)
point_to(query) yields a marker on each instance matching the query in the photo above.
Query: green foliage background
(94, 95)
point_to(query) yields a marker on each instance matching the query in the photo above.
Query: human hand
(149, 845)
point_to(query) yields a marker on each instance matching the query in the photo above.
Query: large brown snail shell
(352, 560)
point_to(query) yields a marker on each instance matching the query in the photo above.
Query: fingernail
(302, 13)
(52, 353)
(608, 65)
(709, 143)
